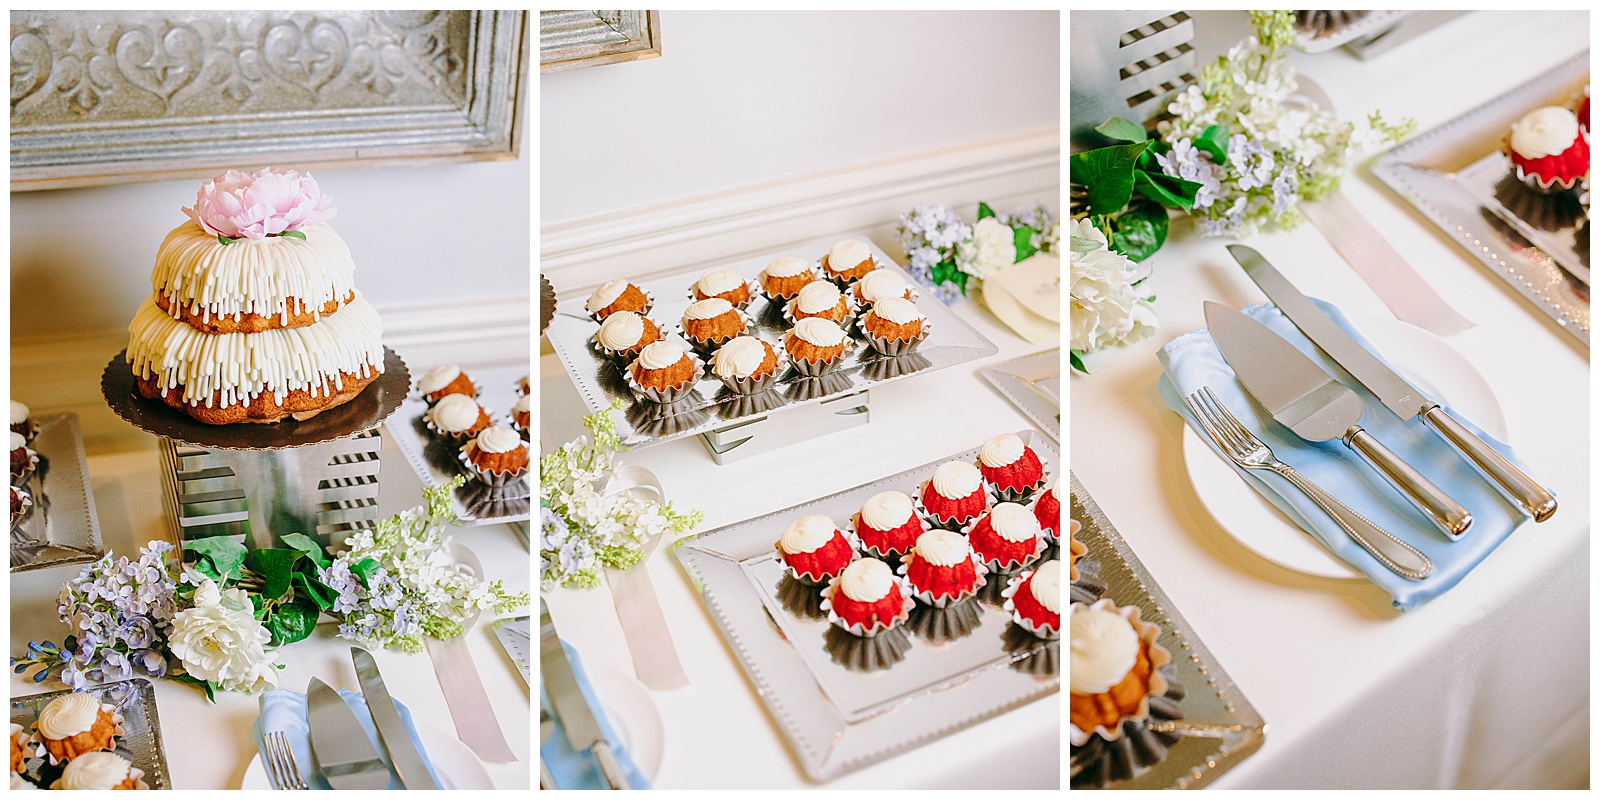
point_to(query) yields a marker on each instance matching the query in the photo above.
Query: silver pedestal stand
(318, 477)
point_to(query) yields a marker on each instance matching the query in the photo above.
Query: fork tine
(1241, 438)
(269, 760)
(295, 780)
(1212, 425)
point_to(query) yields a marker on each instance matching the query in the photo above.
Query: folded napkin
(581, 770)
(283, 710)
(1192, 361)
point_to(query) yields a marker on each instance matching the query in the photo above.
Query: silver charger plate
(1033, 384)
(1212, 702)
(63, 528)
(135, 700)
(843, 702)
(434, 459)
(711, 406)
(1453, 175)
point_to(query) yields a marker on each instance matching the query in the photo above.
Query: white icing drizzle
(437, 378)
(454, 413)
(719, 281)
(524, 405)
(817, 297)
(101, 769)
(243, 365)
(787, 267)
(739, 358)
(882, 283)
(954, 480)
(866, 580)
(498, 439)
(1001, 450)
(195, 272)
(709, 308)
(660, 355)
(818, 331)
(943, 548)
(19, 412)
(18, 441)
(886, 511)
(621, 330)
(68, 715)
(898, 310)
(807, 534)
(1544, 132)
(1046, 585)
(1014, 522)
(606, 294)
(848, 255)
(1104, 649)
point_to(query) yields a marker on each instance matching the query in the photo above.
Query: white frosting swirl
(498, 439)
(739, 358)
(1014, 522)
(606, 295)
(454, 413)
(954, 480)
(866, 580)
(708, 308)
(1045, 585)
(719, 281)
(818, 331)
(1002, 450)
(19, 412)
(98, 770)
(1544, 132)
(886, 511)
(252, 276)
(880, 284)
(437, 378)
(17, 440)
(807, 534)
(898, 310)
(620, 331)
(943, 548)
(660, 355)
(524, 405)
(68, 715)
(848, 255)
(1104, 649)
(817, 297)
(787, 267)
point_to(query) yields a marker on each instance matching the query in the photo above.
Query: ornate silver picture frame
(102, 97)
(577, 39)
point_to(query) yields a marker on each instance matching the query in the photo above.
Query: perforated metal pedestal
(786, 426)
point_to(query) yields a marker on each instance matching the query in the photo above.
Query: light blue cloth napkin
(580, 770)
(283, 710)
(1192, 361)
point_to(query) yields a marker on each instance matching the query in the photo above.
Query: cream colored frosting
(19, 412)
(886, 511)
(943, 548)
(1104, 649)
(21, 784)
(866, 580)
(956, 479)
(17, 440)
(68, 715)
(817, 297)
(660, 355)
(454, 413)
(243, 365)
(606, 294)
(818, 331)
(1002, 450)
(437, 378)
(739, 358)
(709, 308)
(880, 284)
(719, 281)
(252, 276)
(524, 405)
(620, 331)
(1544, 132)
(897, 310)
(848, 254)
(101, 769)
(787, 267)
(1045, 585)
(498, 439)
(807, 534)
(1014, 522)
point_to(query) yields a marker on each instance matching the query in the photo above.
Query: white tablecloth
(719, 734)
(209, 746)
(1487, 686)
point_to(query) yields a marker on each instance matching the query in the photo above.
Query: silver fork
(281, 767)
(1247, 451)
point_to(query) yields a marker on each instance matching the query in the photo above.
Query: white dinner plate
(1424, 359)
(633, 715)
(455, 763)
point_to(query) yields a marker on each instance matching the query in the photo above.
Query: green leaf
(1140, 230)
(1123, 130)
(1107, 173)
(307, 545)
(225, 240)
(1023, 238)
(984, 211)
(1076, 358)
(223, 555)
(275, 567)
(1152, 186)
(292, 622)
(211, 691)
(1082, 245)
(293, 235)
(314, 589)
(364, 569)
(1214, 141)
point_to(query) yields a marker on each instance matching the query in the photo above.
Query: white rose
(1106, 309)
(992, 248)
(219, 640)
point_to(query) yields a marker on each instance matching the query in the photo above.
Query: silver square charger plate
(1033, 384)
(62, 528)
(962, 665)
(1455, 176)
(1212, 702)
(135, 700)
(711, 406)
(435, 462)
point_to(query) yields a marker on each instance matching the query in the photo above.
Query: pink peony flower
(270, 202)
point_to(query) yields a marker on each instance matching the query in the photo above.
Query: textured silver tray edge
(1004, 376)
(145, 690)
(90, 519)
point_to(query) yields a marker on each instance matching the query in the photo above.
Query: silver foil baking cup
(1043, 630)
(710, 345)
(487, 476)
(993, 565)
(884, 369)
(752, 287)
(866, 654)
(949, 523)
(911, 292)
(879, 626)
(649, 303)
(1543, 186)
(838, 279)
(1099, 763)
(1019, 495)
(671, 393)
(851, 309)
(1033, 656)
(738, 406)
(800, 599)
(816, 369)
(778, 300)
(26, 511)
(1159, 657)
(27, 469)
(941, 625)
(855, 552)
(979, 570)
(885, 555)
(459, 438)
(894, 348)
(757, 383)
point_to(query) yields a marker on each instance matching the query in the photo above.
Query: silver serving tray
(1033, 384)
(435, 462)
(135, 700)
(1212, 702)
(711, 406)
(838, 718)
(62, 528)
(1453, 174)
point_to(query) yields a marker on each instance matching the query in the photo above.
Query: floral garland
(945, 252)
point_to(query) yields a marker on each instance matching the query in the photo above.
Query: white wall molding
(650, 241)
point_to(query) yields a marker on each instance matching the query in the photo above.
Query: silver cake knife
(403, 754)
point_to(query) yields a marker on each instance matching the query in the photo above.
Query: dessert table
(210, 746)
(719, 733)
(1486, 686)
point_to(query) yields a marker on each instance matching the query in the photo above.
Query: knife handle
(1533, 498)
(610, 767)
(1431, 500)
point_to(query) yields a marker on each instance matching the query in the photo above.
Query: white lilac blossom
(1106, 307)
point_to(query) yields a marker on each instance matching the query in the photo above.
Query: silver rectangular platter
(1033, 384)
(1449, 174)
(1211, 703)
(135, 700)
(711, 406)
(434, 459)
(838, 714)
(62, 527)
